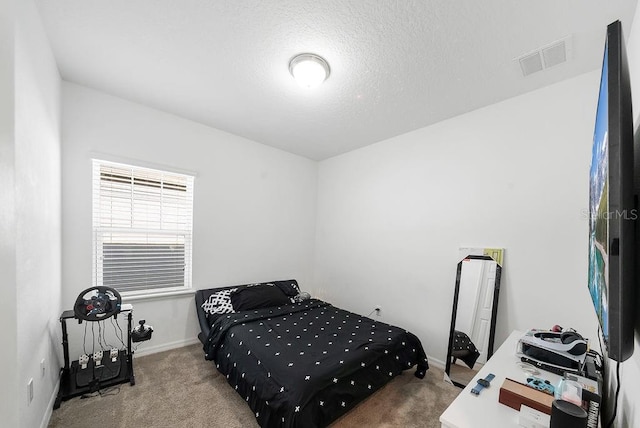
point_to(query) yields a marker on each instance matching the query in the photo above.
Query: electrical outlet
(43, 367)
(30, 390)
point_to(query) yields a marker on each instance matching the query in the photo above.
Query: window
(142, 228)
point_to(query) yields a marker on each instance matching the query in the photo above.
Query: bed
(299, 362)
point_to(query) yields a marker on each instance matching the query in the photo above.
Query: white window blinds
(142, 224)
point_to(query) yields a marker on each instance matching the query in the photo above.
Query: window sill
(157, 296)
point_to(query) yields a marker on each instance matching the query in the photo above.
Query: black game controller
(142, 332)
(540, 384)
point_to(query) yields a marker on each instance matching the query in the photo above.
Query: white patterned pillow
(219, 302)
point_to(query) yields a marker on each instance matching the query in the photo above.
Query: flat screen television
(612, 207)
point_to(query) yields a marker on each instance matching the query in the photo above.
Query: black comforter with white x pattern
(305, 364)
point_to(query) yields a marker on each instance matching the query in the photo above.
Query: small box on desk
(515, 394)
(531, 418)
(591, 398)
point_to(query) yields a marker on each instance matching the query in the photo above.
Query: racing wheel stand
(70, 386)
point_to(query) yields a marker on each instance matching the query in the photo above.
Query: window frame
(157, 192)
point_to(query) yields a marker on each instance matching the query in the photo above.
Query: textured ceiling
(395, 65)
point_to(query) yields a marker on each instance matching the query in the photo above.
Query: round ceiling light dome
(309, 70)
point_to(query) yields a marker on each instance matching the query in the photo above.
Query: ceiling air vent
(545, 57)
(531, 63)
(554, 54)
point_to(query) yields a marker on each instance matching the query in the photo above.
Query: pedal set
(83, 361)
(97, 357)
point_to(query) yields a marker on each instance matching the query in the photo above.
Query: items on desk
(579, 390)
(530, 400)
(531, 418)
(530, 369)
(569, 390)
(553, 351)
(565, 414)
(590, 393)
(541, 385)
(566, 353)
(515, 394)
(483, 383)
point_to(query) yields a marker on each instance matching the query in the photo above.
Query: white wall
(8, 333)
(392, 216)
(37, 222)
(254, 206)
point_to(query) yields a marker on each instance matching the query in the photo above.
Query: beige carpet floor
(178, 388)
(463, 374)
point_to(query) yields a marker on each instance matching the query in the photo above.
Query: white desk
(469, 410)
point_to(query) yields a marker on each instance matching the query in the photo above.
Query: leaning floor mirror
(473, 318)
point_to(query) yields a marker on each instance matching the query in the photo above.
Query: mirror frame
(494, 313)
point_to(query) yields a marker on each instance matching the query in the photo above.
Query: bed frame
(282, 400)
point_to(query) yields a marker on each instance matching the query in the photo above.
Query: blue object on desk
(482, 383)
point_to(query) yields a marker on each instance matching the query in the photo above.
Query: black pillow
(258, 296)
(290, 288)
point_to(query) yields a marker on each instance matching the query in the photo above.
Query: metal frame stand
(68, 387)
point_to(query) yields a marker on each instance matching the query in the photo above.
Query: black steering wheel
(97, 303)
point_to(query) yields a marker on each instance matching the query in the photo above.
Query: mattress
(305, 364)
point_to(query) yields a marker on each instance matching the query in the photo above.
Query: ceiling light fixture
(309, 70)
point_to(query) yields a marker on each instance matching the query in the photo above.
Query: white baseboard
(148, 350)
(436, 362)
(47, 415)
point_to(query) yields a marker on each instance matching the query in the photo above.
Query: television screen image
(612, 212)
(598, 209)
